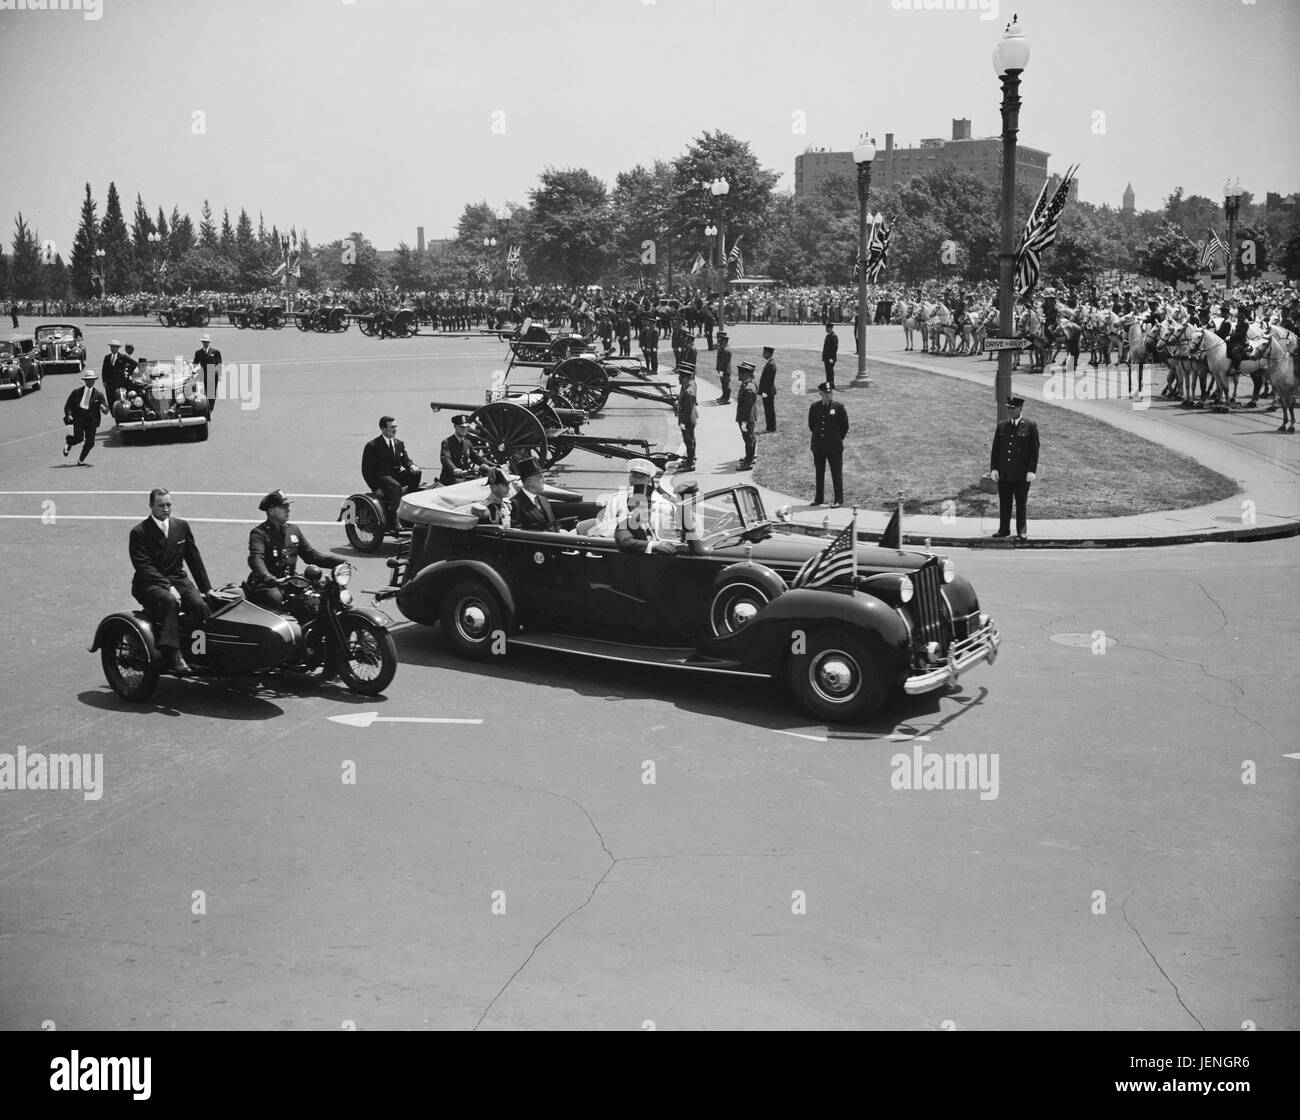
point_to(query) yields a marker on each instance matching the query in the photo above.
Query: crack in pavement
(1251, 719)
(1217, 605)
(1123, 908)
(1182, 661)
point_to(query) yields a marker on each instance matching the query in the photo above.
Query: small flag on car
(838, 558)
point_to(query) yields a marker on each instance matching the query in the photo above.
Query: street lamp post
(1010, 57)
(99, 276)
(720, 188)
(155, 240)
(503, 228)
(864, 153)
(1231, 207)
(490, 243)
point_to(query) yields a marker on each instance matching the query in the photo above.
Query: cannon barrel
(438, 406)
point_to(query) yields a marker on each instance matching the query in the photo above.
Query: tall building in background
(895, 166)
(1129, 199)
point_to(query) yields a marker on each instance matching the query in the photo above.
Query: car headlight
(905, 590)
(343, 574)
(949, 571)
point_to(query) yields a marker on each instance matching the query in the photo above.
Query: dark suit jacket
(159, 562)
(767, 379)
(524, 514)
(85, 416)
(456, 455)
(1015, 451)
(830, 347)
(378, 460)
(113, 373)
(829, 425)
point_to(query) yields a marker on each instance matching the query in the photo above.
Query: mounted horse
(1030, 326)
(943, 332)
(1215, 353)
(1140, 348)
(1277, 350)
(1065, 335)
(1178, 339)
(905, 313)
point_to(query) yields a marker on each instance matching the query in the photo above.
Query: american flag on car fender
(1040, 232)
(838, 558)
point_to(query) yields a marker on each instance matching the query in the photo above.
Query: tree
(1169, 256)
(56, 279)
(204, 269)
(407, 268)
(207, 230)
(641, 206)
(119, 257)
(1288, 255)
(84, 245)
(141, 227)
(182, 235)
(571, 229)
(25, 264)
(1263, 251)
(226, 240)
(248, 258)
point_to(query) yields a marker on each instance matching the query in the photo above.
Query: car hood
(784, 551)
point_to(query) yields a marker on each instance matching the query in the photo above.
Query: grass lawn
(929, 436)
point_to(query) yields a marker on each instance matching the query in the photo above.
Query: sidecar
(238, 639)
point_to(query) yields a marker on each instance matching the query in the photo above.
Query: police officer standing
(687, 413)
(1013, 463)
(747, 412)
(273, 550)
(723, 367)
(767, 389)
(830, 351)
(828, 421)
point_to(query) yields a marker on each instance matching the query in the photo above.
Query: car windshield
(716, 518)
(45, 333)
(7, 350)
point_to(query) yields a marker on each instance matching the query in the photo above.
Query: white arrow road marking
(1291, 756)
(365, 719)
(797, 735)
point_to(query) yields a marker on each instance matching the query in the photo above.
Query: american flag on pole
(735, 258)
(1040, 232)
(1214, 245)
(839, 558)
(698, 263)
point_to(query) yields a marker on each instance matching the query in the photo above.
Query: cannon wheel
(367, 324)
(405, 323)
(508, 431)
(564, 348)
(164, 317)
(302, 320)
(339, 320)
(275, 318)
(582, 381)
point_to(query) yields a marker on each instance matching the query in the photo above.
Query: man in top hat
(529, 508)
(273, 551)
(1014, 465)
(723, 366)
(828, 421)
(496, 510)
(747, 412)
(460, 460)
(208, 358)
(830, 352)
(388, 469)
(688, 414)
(82, 410)
(767, 389)
(161, 547)
(115, 371)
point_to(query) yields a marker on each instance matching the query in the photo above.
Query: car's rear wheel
(834, 678)
(126, 663)
(364, 530)
(473, 619)
(367, 661)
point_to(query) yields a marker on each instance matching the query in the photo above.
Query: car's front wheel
(473, 620)
(834, 679)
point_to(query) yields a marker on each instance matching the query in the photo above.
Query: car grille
(928, 606)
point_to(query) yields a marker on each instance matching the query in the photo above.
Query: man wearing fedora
(273, 551)
(688, 414)
(206, 358)
(459, 458)
(82, 410)
(529, 508)
(1013, 463)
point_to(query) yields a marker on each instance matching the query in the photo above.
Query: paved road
(625, 901)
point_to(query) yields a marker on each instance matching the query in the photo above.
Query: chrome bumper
(962, 655)
(150, 425)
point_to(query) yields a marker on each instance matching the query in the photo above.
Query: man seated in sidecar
(388, 469)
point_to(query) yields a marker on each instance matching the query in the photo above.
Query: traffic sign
(1007, 344)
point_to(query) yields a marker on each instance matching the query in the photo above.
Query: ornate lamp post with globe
(720, 188)
(1231, 208)
(100, 254)
(864, 153)
(1010, 57)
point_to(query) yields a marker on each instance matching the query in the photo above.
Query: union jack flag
(839, 558)
(735, 258)
(1040, 232)
(878, 251)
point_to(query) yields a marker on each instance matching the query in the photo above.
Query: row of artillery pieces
(575, 381)
(327, 318)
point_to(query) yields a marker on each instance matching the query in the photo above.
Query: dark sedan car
(901, 622)
(60, 348)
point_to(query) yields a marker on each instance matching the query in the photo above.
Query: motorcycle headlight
(345, 597)
(905, 590)
(343, 574)
(949, 571)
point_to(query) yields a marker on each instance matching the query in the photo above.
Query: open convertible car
(163, 396)
(60, 348)
(903, 622)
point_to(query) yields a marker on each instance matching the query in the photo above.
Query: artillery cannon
(261, 317)
(328, 318)
(388, 324)
(512, 425)
(185, 315)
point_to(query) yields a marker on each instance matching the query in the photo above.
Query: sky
(384, 115)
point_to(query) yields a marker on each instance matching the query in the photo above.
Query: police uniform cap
(642, 466)
(745, 368)
(825, 387)
(457, 421)
(274, 498)
(1015, 402)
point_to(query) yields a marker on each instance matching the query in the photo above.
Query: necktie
(85, 396)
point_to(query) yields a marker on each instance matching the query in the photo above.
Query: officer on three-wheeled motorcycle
(273, 551)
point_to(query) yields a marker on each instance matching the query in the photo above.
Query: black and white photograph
(649, 515)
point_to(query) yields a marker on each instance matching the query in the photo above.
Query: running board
(677, 657)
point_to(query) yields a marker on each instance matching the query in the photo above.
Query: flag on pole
(698, 263)
(735, 258)
(879, 251)
(892, 537)
(1040, 232)
(295, 253)
(482, 270)
(839, 558)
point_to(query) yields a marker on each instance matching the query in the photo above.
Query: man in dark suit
(160, 548)
(529, 509)
(830, 351)
(115, 371)
(208, 358)
(828, 421)
(767, 389)
(459, 458)
(1014, 465)
(82, 410)
(388, 469)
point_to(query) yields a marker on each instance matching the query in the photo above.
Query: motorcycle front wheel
(126, 663)
(367, 661)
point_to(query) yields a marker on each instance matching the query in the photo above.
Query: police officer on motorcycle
(273, 551)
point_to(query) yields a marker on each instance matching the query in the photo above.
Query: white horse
(1177, 340)
(1277, 350)
(1141, 349)
(1215, 353)
(906, 312)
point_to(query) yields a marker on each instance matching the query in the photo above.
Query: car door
(549, 570)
